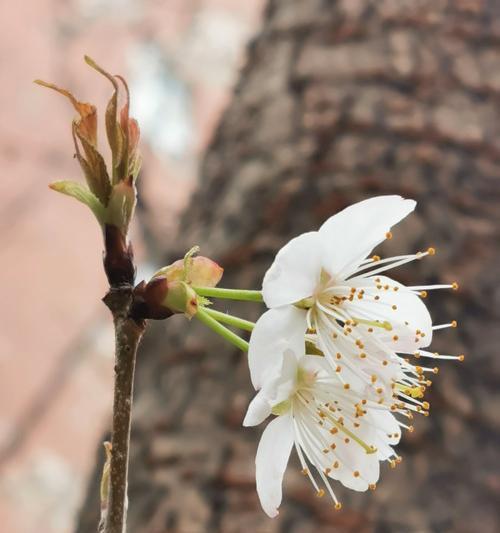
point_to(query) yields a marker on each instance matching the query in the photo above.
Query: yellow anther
(454, 286)
(395, 338)
(423, 294)
(346, 386)
(372, 486)
(425, 405)
(338, 355)
(304, 472)
(461, 357)
(338, 369)
(335, 464)
(333, 431)
(320, 493)
(338, 506)
(394, 307)
(376, 258)
(373, 378)
(431, 251)
(411, 429)
(355, 473)
(388, 235)
(327, 470)
(454, 324)
(435, 370)
(385, 362)
(392, 464)
(362, 355)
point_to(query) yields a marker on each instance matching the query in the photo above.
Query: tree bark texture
(339, 100)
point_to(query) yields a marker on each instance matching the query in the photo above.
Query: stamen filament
(383, 268)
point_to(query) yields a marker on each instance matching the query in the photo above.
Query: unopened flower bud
(196, 271)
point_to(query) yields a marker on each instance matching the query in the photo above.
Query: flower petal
(272, 457)
(402, 308)
(275, 331)
(258, 410)
(350, 235)
(295, 271)
(280, 386)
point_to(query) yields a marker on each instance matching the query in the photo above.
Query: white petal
(295, 271)
(272, 457)
(389, 432)
(350, 235)
(275, 331)
(409, 315)
(282, 385)
(258, 410)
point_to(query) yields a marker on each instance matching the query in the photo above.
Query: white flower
(340, 434)
(357, 317)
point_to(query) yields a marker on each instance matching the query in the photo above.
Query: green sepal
(181, 298)
(83, 195)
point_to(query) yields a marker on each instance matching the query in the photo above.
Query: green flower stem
(230, 319)
(229, 294)
(221, 330)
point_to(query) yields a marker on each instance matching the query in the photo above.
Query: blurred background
(259, 120)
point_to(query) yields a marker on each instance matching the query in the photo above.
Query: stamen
(436, 355)
(452, 324)
(397, 263)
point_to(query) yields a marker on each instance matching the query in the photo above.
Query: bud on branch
(111, 196)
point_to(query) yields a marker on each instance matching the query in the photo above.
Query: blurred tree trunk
(339, 100)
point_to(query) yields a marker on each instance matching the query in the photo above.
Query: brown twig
(128, 333)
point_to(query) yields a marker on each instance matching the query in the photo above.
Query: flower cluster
(330, 356)
(330, 359)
